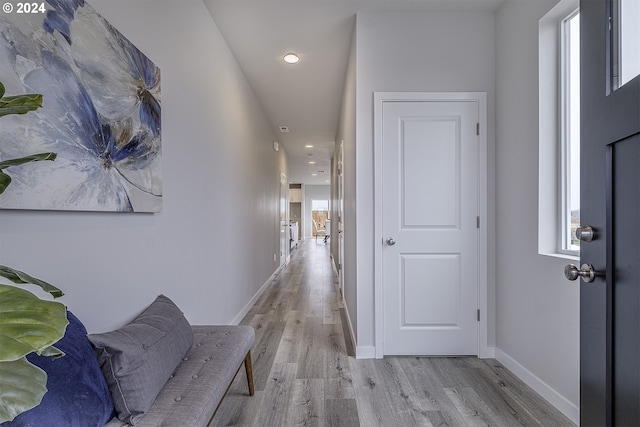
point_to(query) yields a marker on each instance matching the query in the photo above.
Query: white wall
(346, 133)
(212, 246)
(412, 52)
(537, 315)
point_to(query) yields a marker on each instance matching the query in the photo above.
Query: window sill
(567, 257)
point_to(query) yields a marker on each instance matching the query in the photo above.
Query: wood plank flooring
(304, 376)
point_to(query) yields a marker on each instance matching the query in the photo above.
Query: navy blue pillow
(78, 395)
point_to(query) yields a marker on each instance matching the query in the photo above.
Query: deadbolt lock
(585, 234)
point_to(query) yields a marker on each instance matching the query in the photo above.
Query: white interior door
(430, 263)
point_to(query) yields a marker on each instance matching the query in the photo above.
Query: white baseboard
(333, 265)
(487, 352)
(252, 301)
(569, 409)
(365, 352)
(350, 328)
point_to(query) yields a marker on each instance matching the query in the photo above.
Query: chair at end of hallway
(318, 232)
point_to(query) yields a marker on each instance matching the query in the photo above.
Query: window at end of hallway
(559, 131)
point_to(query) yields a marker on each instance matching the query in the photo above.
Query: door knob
(588, 274)
(585, 234)
(391, 241)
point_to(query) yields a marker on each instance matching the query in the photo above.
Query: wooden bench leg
(249, 371)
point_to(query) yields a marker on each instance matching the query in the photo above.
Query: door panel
(625, 183)
(429, 210)
(441, 157)
(610, 190)
(424, 276)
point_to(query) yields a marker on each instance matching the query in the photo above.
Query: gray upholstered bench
(194, 392)
(161, 371)
(157, 370)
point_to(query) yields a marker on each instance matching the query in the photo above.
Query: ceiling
(305, 97)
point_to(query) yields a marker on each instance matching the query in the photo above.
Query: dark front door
(610, 203)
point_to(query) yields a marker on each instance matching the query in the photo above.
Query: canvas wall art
(101, 113)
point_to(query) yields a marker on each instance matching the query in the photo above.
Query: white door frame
(340, 222)
(484, 350)
(283, 220)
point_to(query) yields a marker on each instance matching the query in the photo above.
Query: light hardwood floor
(304, 376)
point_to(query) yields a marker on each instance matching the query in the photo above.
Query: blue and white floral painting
(101, 113)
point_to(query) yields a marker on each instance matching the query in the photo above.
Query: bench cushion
(191, 395)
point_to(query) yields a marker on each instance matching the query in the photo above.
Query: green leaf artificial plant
(28, 324)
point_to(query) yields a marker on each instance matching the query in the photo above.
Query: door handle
(391, 241)
(588, 274)
(585, 234)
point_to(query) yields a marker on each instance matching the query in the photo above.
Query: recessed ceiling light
(308, 146)
(312, 162)
(314, 174)
(291, 58)
(284, 129)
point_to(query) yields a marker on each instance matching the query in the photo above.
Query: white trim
(570, 410)
(333, 265)
(489, 353)
(360, 351)
(484, 350)
(365, 352)
(565, 138)
(236, 320)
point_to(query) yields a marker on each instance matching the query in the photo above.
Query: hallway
(304, 377)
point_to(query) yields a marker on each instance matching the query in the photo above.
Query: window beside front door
(569, 141)
(559, 131)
